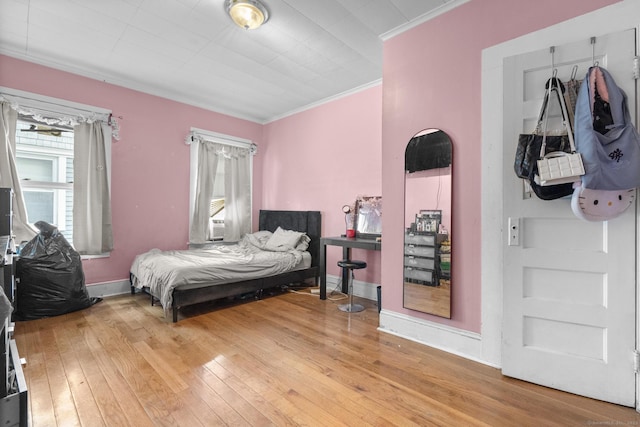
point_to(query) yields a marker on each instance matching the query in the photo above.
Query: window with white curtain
(62, 159)
(221, 191)
(44, 161)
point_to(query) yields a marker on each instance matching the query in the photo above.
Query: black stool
(351, 265)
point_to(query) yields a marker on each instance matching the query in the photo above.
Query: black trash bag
(51, 277)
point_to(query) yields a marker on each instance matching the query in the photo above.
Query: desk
(347, 244)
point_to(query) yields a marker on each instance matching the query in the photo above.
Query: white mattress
(163, 271)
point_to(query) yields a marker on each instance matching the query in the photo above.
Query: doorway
(568, 299)
(598, 23)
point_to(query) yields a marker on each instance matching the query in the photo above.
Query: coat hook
(552, 50)
(593, 52)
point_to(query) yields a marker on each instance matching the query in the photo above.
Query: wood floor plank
(278, 341)
(342, 348)
(301, 366)
(139, 376)
(288, 359)
(41, 406)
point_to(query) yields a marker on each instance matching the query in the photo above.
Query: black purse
(528, 151)
(550, 192)
(530, 145)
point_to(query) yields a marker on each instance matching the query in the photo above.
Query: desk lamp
(349, 221)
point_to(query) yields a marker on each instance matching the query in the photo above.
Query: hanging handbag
(605, 135)
(531, 151)
(559, 167)
(551, 192)
(529, 144)
(601, 205)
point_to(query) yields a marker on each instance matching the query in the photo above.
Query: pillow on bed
(258, 239)
(303, 244)
(284, 240)
(262, 236)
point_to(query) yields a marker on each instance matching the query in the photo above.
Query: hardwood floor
(289, 359)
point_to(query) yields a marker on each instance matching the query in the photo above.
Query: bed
(182, 278)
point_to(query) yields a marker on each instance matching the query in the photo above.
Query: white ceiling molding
(326, 100)
(306, 54)
(449, 5)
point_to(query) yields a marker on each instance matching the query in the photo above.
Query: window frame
(58, 158)
(30, 105)
(218, 138)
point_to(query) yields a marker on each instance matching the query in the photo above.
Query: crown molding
(326, 100)
(446, 7)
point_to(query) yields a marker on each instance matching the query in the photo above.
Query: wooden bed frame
(305, 221)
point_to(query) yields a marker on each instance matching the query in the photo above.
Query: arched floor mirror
(427, 239)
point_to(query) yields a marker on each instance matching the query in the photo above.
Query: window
(216, 217)
(55, 141)
(217, 210)
(227, 196)
(44, 160)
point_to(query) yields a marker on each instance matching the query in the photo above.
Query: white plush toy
(600, 205)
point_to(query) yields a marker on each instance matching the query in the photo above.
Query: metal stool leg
(351, 307)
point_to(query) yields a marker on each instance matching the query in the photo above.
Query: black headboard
(306, 221)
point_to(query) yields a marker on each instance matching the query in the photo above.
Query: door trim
(614, 18)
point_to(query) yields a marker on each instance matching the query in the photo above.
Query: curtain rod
(214, 137)
(29, 96)
(50, 110)
(65, 106)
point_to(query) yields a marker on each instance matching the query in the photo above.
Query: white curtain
(9, 174)
(237, 192)
(208, 153)
(92, 230)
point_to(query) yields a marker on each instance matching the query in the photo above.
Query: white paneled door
(569, 285)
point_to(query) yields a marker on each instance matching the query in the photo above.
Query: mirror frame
(429, 149)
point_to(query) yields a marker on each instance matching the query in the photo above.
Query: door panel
(569, 286)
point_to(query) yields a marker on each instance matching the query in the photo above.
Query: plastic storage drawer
(421, 251)
(411, 238)
(418, 262)
(424, 277)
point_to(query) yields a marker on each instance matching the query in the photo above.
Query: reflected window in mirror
(427, 248)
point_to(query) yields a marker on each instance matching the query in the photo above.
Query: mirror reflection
(427, 248)
(369, 216)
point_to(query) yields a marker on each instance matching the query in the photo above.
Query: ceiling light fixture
(247, 14)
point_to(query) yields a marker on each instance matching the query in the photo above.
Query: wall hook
(574, 72)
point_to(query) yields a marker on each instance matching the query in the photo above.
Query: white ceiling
(190, 51)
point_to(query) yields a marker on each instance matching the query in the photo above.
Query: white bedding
(163, 271)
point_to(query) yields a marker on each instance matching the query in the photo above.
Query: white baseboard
(107, 289)
(360, 289)
(452, 340)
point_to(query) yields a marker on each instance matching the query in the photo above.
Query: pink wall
(322, 159)
(432, 78)
(150, 164)
(428, 190)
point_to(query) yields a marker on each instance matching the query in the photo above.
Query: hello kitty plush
(600, 205)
